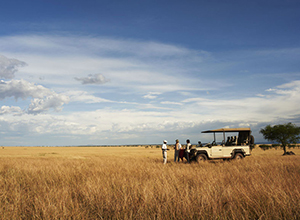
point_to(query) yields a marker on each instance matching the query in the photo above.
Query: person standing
(187, 150)
(164, 151)
(181, 154)
(177, 149)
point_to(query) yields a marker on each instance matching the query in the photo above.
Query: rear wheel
(238, 156)
(201, 158)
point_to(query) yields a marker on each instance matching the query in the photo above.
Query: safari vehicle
(236, 147)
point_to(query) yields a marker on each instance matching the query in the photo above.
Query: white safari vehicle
(235, 147)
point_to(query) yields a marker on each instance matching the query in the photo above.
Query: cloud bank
(156, 91)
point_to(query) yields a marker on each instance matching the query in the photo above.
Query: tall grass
(47, 184)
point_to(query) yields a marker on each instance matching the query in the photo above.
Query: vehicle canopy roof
(221, 130)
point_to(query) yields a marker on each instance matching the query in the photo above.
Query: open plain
(133, 183)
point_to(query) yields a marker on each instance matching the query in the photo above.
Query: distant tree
(284, 134)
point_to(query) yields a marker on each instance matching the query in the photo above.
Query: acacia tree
(284, 134)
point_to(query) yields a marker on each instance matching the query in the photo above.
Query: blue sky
(139, 72)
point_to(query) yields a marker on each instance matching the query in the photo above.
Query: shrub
(264, 146)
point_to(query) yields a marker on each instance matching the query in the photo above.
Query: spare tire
(251, 141)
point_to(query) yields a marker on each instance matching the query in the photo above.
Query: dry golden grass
(132, 183)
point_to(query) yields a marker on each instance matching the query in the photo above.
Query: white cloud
(279, 102)
(171, 103)
(151, 95)
(43, 98)
(15, 110)
(8, 67)
(295, 85)
(54, 101)
(185, 93)
(84, 97)
(22, 89)
(92, 79)
(91, 45)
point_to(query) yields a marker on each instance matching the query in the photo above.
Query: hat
(165, 141)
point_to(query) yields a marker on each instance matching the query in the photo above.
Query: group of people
(179, 153)
(231, 141)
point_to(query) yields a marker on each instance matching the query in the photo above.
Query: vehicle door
(216, 151)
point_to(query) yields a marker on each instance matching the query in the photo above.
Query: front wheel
(238, 156)
(201, 158)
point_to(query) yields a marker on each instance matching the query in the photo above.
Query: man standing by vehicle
(164, 151)
(187, 150)
(177, 149)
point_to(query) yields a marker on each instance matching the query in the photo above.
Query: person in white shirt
(164, 151)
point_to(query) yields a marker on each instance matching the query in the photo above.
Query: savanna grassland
(132, 183)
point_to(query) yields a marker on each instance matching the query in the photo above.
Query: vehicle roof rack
(221, 130)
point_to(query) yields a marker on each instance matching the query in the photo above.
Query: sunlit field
(133, 183)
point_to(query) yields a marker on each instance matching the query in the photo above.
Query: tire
(238, 156)
(201, 158)
(251, 139)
